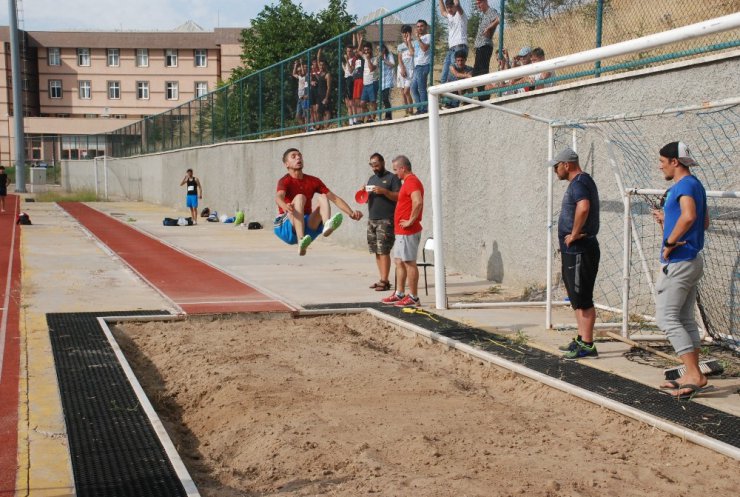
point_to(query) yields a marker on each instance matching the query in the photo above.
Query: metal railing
(268, 103)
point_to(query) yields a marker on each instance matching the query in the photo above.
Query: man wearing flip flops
(382, 194)
(297, 222)
(684, 218)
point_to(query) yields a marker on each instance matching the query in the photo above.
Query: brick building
(78, 84)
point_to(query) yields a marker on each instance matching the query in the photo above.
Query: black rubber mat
(692, 415)
(114, 449)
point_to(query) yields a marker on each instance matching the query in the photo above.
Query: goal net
(621, 153)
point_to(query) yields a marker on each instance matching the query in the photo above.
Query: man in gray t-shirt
(383, 187)
(484, 40)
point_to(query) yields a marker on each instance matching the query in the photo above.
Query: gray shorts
(406, 247)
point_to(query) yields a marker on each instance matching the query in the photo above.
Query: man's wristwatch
(668, 244)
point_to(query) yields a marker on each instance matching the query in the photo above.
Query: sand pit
(348, 405)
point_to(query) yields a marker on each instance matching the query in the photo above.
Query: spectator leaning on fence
(484, 40)
(420, 49)
(299, 73)
(406, 67)
(538, 55)
(457, 33)
(388, 70)
(459, 70)
(348, 66)
(369, 97)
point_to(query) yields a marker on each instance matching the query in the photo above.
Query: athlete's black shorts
(579, 275)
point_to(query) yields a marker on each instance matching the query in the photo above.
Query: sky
(142, 15)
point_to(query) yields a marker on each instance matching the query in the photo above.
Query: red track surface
(194, 286)
(10, 286)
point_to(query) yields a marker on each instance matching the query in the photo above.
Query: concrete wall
(494, 182)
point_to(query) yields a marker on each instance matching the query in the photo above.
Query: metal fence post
(261, 110)
(340, 81)
(599, 24)
(282, 97)
(501, 18)
(430, 80)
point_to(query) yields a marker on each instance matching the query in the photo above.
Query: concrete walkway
(67, 270)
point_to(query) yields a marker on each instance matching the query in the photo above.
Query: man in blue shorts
(297, 222)
(684, 219)
(578, 226)
(194, 192)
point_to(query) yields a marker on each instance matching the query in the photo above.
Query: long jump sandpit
(348, 405)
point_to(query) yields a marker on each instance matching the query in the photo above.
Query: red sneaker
(408, 301)
(392, 299)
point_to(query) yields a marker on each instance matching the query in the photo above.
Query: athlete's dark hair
(379, 157)
(287, 152)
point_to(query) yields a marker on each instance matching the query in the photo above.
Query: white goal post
(719, 24)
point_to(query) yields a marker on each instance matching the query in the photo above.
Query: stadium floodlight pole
(20, 141)
(719, 24)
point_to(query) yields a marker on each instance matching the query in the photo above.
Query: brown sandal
(382, 286)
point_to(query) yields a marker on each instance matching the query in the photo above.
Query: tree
(534, 10)
(278, 32)
(333, 21)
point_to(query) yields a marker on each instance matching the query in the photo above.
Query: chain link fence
(316, 88)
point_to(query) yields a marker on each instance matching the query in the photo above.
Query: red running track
(10, 289)
(196, 287)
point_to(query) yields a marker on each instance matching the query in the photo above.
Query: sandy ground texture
(349, 405)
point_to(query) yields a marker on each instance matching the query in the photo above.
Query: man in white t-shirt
(406, 67)
(421, 49)
(369, 96)
(457, 33)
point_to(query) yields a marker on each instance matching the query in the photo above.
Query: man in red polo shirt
(407, 227)
(297, 223)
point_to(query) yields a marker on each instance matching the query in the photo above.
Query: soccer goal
(626, 144)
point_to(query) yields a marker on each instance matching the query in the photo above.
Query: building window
(170, 57)
(201, 57)
(83, 57)
(55, 88)
(142, 57)
(114, 90)
(142, 90)
(85, 90)
(201, 89)
(114, 57)
(54, 56)
(171, 89)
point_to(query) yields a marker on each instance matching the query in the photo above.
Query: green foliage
(284, 29)
(55, 196)
(535, 10)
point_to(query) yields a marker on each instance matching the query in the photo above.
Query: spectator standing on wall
(457, 33)
(369, 96)
(383, 187)
(299, 73)
(348, 67)
(421, 50)
(489, 21)
(324, 92)
(388, 70)
(406, 67)
(193, 193)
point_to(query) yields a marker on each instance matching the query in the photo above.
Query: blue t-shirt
(694, 238)
(582, 187)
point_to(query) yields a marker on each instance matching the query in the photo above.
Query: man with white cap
(578, 226)
(684, 219)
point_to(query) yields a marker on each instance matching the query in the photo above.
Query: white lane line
(6, 302)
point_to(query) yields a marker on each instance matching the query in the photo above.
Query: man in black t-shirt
(578, 226)
(4, 182)
(382, 187)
